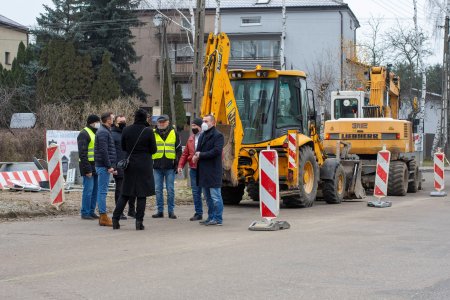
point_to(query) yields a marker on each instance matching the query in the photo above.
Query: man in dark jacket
(86, 141)
(119, 124)
(208, 157)
(165, 163)
(105, 161)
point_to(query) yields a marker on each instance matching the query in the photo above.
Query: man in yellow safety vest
(86, 143)
(165, 163)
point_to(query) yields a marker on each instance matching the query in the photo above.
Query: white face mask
(96, 125)
(204, 126)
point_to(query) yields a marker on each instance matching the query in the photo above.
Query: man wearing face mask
(188, 154)
(86, 141)
(165, 163)
(119, 124)
(208, 157)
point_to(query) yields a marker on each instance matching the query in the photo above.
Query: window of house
(185, 23)
(186, 91)
(255, 48)
(184, 53)
(7, 58)
(250, 21)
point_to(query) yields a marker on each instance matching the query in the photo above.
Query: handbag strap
(136, 143)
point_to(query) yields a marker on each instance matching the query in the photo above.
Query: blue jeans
(103, 183)
(169, 176)
(89, 197)
(196, 192)
(215, 204)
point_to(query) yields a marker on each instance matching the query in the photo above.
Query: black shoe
(123, 217)
(132, 214)
(172, 215)
(87, 217)
(213, 223)
(95, 216)
(196, 218)
(204, 222)
(139, 225)
(115, 224)
(158, 215)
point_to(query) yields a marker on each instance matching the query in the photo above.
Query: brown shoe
(104, 220)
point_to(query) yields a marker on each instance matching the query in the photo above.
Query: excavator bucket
(229, 159)
(352, 171)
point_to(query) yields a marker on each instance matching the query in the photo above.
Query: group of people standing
(154, 156)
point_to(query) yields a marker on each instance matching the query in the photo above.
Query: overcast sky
(26, 11)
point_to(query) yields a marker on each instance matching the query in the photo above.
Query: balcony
(179, 68)
(251, 63)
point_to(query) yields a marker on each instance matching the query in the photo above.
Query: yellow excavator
(257, 109)
(368, 120)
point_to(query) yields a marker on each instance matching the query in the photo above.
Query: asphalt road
(346, 251)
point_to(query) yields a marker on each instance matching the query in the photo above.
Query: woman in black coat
(138, 177)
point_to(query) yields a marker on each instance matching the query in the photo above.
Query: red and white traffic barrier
(269, 193)
(33, 177)
(381, 179)
(56, 175)
(292, 144)
(269, 190)
(439, 174)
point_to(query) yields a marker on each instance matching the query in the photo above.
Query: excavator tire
(253, 191)
(232, 195)
(398, 178)
(413, 186)
(334, 190)
(308, 180)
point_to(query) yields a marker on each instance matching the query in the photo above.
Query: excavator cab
(269, 103)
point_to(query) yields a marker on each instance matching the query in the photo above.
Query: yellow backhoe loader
(256, 109)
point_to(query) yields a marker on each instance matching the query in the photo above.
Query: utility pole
(168, 71)
(421, 68)
(441, 130)
(197, 77)
(283, 35)
(446, 99)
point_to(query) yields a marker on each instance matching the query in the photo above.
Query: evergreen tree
(59, 22)
(105, 26)
(180, 111)
(106, 87)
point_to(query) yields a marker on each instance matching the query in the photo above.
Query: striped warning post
(439, 183)
(439, 177)
(382, 173)
(292, 144)
(269, 184)
(56, 175)
(30, 176)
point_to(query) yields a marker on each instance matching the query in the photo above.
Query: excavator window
(345, 108)
(289, 110)
(255, 99)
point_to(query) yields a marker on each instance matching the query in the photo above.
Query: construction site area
(302, 147)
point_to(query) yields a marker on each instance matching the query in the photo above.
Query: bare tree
(372, 44)
(7, 106)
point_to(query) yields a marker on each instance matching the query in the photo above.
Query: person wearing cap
(165, 163)
(86, 144)
(188, 154)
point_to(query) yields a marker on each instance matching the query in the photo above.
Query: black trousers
(120, 206)
(118, 191)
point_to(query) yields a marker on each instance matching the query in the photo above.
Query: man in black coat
(138, 179)
(105, 161)
(209, 169)
(86, 142)
(119, 124)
